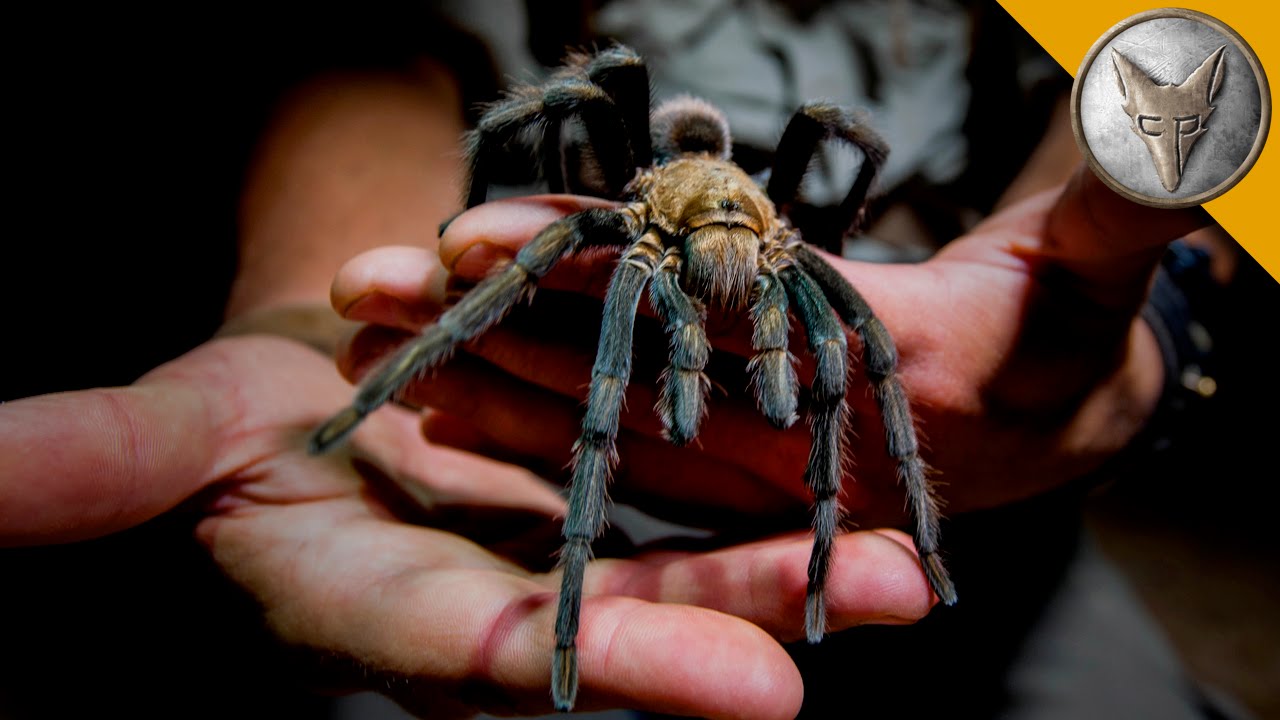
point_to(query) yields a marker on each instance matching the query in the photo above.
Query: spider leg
(623, 75)
(811, 124)
(595, 453)
(880, 358)
(772, 368)
(827, 415)
(682, 400)
(569, 166)
(479, 309)
(553, 158)
(536, 107)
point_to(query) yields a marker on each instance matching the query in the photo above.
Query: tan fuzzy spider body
(695, 230)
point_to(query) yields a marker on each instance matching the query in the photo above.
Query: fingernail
(476, 261)
(376, 307)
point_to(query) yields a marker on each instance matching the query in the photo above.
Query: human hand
(436, 616)
(1019, 345)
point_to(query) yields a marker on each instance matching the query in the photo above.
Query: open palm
(442, 615)
(1020, 347)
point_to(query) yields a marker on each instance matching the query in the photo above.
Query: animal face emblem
(1169, 118)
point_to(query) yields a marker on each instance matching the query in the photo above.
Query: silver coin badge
(1171, 108)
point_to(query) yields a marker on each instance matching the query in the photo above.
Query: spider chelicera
(694, 228)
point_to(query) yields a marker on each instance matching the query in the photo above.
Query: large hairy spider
(694, 228)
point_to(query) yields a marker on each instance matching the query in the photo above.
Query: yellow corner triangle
(1247, 211)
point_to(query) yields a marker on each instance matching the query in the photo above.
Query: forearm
(350, 162)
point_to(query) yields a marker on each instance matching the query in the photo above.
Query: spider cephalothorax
(694, 229)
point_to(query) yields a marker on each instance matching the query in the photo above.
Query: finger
(385, 287)
(681, 660)
(450, 622)
(1091, 219)
(671, 659)
(733, 433)
(510, 402)
(84, 464)
(490, 235)
(534, 423)
(876, 578)
(448, 430)
(435, 474)
(1109, 243)
(406, 288)
(1081, 260)
(452, 431)
(360, 352)
(496, 230)
(560, 331)
(400, 287)
(437, 477)
(731, 416)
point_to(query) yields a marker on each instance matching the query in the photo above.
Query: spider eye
(689, 125)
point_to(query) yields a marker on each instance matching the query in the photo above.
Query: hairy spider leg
(553, 158)
(682, 398)
(880, 359)
(478, 310)
(595, 453)
(772, 367)
(828, 414)
(570, 167)
(623, 75)
(809, 126)
(534, 108)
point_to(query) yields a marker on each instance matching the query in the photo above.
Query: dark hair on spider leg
(682, 399)
(828, 414)
(880, 358)
(623, 75)
(772, 367)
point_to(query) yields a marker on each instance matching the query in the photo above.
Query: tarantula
(694, 228)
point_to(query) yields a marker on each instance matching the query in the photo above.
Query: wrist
(311, 323)
(1178, 300)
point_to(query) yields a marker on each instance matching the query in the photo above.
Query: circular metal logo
(1171, 108)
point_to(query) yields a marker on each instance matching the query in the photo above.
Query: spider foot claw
(782, 422)
(939, 578)
(334, 431)
(815, 617)
(564, 675)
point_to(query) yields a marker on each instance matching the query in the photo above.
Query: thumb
(83, 464)
(79, 465)
(1090, 254)
(1107, 246)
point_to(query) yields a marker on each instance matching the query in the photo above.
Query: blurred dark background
(129, 132)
